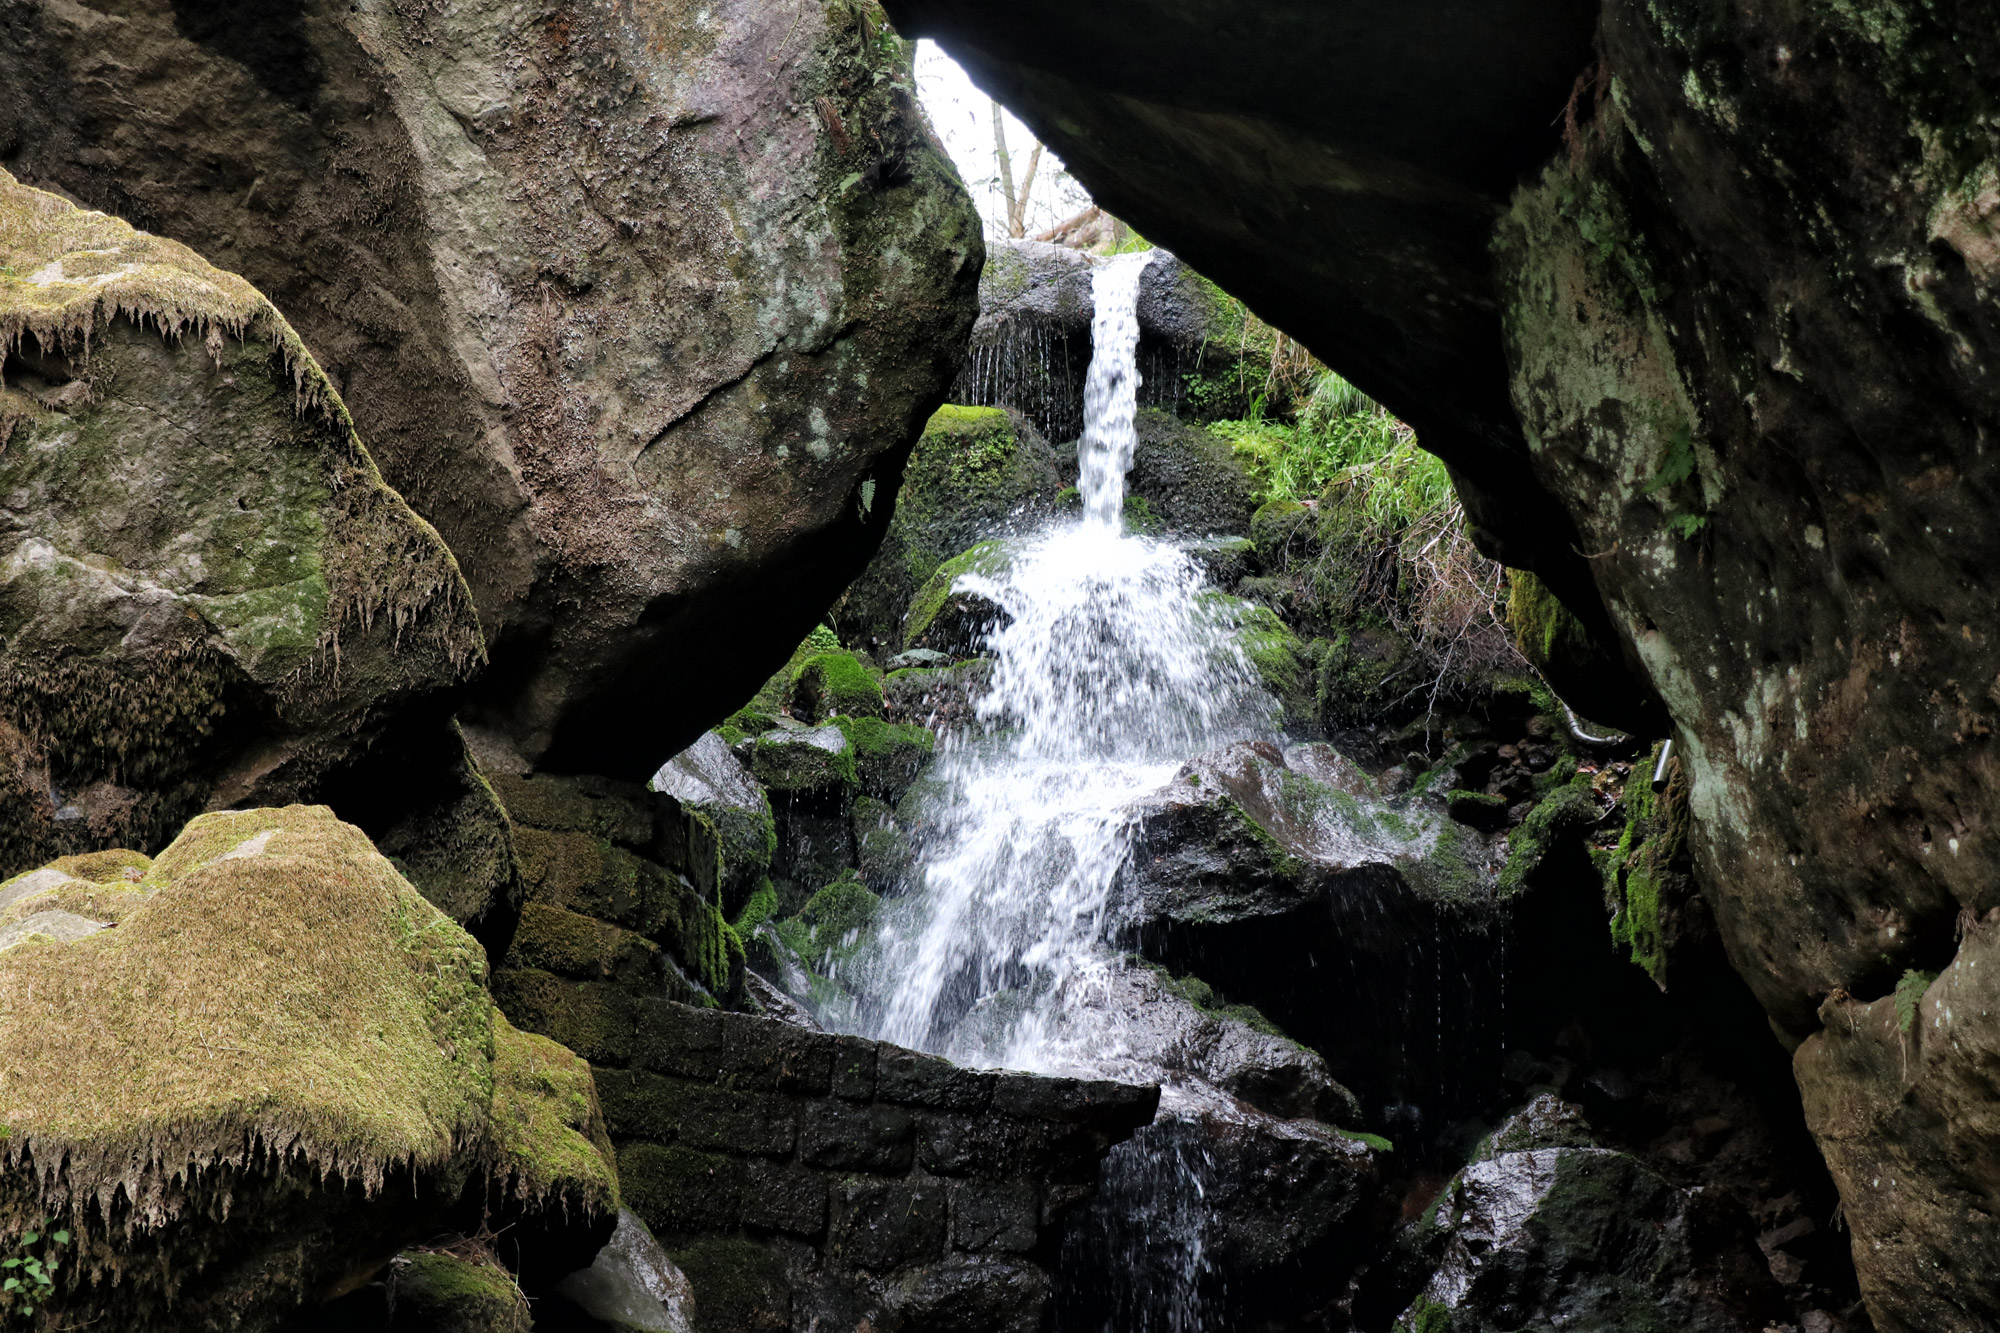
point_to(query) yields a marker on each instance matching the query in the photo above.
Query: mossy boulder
(888, 756)
(210, 596)
(804, 760)
(437, 1291)
(232, 1149)
(835, 684)
(950, 617)
(1190, 480)
(976, 473)
(708, 778)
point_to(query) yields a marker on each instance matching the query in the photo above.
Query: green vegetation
(30, 1270)
(1425, 1316)
(835, 683)
(1364, 542)
(1638, 873)
(1340, 436)
(1567, 808)
(1910, 997)
(763, 902)
(1544, 629)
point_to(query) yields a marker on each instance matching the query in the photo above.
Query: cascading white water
(1111, 669)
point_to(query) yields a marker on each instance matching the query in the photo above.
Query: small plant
(1910, 997)
(30, 1270)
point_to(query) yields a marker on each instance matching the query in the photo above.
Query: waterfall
(1110, 670)
(1111, 390)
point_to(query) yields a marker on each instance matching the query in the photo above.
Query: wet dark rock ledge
(803, 1179)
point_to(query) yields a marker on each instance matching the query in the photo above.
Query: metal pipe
(1660, 769)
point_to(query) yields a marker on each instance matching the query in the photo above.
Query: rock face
(1199, 356)
(228, 1152)
(641, 310)
(208, 595)
(1721, 375)
(806, 1180)
(1548, 1229)
(977, 473)
(1253, 867)
(1898, 1092)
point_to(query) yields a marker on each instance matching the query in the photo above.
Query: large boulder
(1721, 378)
(1548, 1229)
(208, 595)
(1362, 923)
(258, 1066)
(641, 310)
(978, 473)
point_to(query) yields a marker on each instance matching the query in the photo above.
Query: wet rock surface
(1546, 1228)
(209, 598)
(727, 231)
(851, 1179)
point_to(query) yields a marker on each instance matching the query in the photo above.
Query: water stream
(1111, 670)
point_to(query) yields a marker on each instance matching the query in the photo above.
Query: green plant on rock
(29, 1272)
(1910, 998)
(1648, 865)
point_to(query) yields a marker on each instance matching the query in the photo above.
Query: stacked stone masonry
(796, 1175)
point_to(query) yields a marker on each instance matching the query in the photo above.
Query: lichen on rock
(208, 592)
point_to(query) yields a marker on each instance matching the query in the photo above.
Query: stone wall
(794, 1175)
(867, 1181)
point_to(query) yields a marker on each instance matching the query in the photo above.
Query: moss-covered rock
(351, 1089)
(835, 684)
(1191, 481)
(817, 759)
(1282, 662)
(888, 756)
(951, 619)
(708, 778)
(977, 473)
(437, 1291)
(211, 597)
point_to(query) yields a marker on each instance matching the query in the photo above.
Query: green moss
(1649, 852)
(440, 1292)
(356, 1027)
(782, 761)
(1425, 1316)
(835, 683)
(1566, 810)
(763, 902)
(1373, 1141)
(832, 924)
(546, 1138)
(770, 700)
(887, 755)
(1544, 629)
(988, 558)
